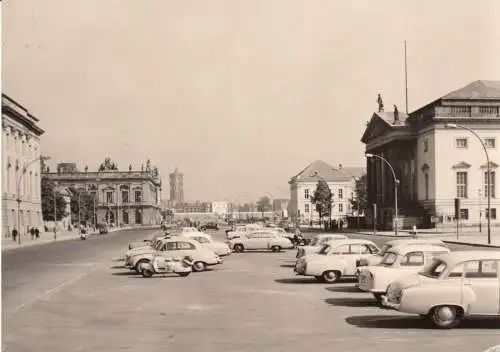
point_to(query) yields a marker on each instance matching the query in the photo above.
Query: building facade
(176, 186)
(435, 160)
(280, 206)
(20, 166)
(193, 207)
(341, 181)
(120, 197)
(220, 208)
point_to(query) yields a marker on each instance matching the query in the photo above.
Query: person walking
(37, 233)
(14, 234)
(55, 233)
(32, 233)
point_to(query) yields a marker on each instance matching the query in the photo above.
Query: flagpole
(406, 81)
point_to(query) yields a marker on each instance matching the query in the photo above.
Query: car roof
(419, 247)
(403, 241)
(457, 257)
(351, 241)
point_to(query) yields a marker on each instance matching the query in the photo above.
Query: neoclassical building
(121, 197)
(20, 151)
(435, 159)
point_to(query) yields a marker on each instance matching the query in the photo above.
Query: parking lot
(82, 300)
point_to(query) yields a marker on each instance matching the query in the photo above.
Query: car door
(169, 249)
(251, 240)
(340, 253)
(355, 252)
(482, 277)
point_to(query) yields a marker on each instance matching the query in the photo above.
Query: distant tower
(176, 186)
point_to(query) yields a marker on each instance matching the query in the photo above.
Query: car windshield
(325, 249)
(434, 269)
(384, 249)
(389, 259)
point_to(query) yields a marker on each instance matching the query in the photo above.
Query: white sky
(240, 95)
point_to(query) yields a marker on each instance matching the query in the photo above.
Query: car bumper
(389, 305)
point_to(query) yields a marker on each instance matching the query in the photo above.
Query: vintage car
(454, 286)
(262, 239)
(376, 258)
(209, 226)
(148, 242)
(398, 261)
(336, 259)
(179, 247)
(317, 243)
(220, 248)
(242, 230)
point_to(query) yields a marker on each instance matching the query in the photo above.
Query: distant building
(220, 207)
(341, 180)
(20, 149)
(435, 163)
(176, 186)
(280, 206)
(193, 207)
(121, 197)
(66, 168)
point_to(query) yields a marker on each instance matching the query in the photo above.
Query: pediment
(493, 165)
(462, 165)
(376, 127)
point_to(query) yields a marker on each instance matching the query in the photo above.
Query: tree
(359, 201)
(263, 204)
(323, 199)
(47, 193)
(86, 202)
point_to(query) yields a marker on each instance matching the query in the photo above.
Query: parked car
(398, 261)
(317, 243)
(209, 226)
(336, 259)
(241, 230)
(148, 242)
(262, 240)
(175, 247)
(220, 248)
(377, 258)
(455, 286)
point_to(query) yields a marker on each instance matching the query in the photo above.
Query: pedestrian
(341, 225)
(37, 233)
(32, 233)
(55, 233)
(14, 234)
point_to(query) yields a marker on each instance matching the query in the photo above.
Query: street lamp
(357, 196)
(18, 189)
(488, 178)
(396, 183)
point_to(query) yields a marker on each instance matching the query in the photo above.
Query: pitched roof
(476, 90)
(327, 172)
(388, 116)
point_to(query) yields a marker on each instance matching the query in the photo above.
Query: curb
(473, 244)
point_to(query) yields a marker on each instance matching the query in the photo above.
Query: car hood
(141, 250)
(408, 281)
(311, 249)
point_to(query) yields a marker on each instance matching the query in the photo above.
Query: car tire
(138, 264)
(199, 267)
(147, 273)
(184, 274)
(238, 248)
(276, 249)
(445, 317)
(331, 276)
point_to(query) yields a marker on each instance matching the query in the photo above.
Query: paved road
(71, 297)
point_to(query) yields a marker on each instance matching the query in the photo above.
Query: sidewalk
(467, 237)
(48, 237)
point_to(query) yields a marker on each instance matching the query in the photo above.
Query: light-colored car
(262, 239)
(377, 258)
(336, 259)
(220, 248)
(317, 243)
(398, 261)
(175, 247)
(454, 286)
(242, 230)
(148, 242)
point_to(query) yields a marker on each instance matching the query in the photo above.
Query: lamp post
(488, 177)
(396, 183)
(357, 196)
(18, 189)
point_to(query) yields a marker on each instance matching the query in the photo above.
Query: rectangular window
(493, 213)
(125, 196)
(109, 197)
(464, 214)
(488, 110)
(341, 208)
(306, 208)
(426, 146)
(306, 194)
(460, 110)
(492, 184)
(461, 142)
(341, 193)
(489, 142)
(426, 178)
(462, 184)
(138, 196)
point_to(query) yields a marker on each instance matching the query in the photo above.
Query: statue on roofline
(380, 103)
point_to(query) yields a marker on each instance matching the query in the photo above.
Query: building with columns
(20, 152)
(125, 198)
(436, 162)
(342, 183)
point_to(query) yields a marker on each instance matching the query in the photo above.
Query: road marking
(50, 292)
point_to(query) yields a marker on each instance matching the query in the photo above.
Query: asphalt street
(73, 296)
